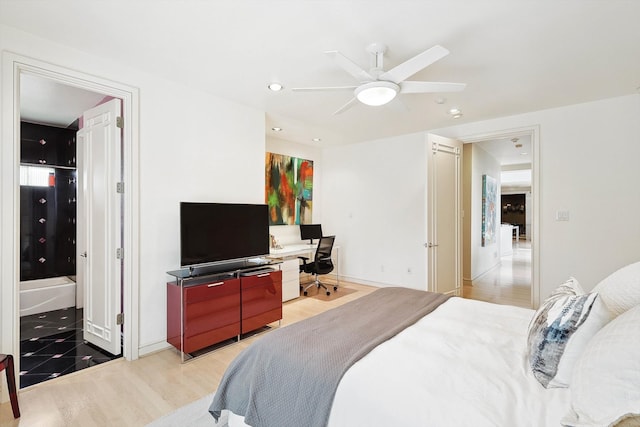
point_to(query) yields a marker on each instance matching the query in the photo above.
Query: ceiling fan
(378, 87)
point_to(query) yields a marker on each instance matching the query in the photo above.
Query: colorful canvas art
(489, 203)
(288, 189)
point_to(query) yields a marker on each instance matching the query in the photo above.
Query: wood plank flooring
(509, 283)
(122, 393)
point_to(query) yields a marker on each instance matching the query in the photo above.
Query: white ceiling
(48, 102)
(515, 55)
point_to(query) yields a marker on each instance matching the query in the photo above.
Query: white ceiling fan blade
(317, 89)
(415, 64)
(350, 67)
(430, 87)
(346, 106)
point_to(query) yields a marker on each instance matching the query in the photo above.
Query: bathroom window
(35, 176)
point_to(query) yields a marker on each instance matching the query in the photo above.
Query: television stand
(209, 308)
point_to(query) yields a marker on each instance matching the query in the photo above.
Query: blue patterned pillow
(560, 330)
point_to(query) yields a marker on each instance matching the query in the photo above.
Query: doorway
(504, 268)
(15, 68)
(53, 339)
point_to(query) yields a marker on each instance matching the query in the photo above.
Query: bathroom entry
(65, 313)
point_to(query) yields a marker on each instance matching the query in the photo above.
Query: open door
(444, 204)
(99, 228)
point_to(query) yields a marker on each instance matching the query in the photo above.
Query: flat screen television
(216, 232)
(310, 232)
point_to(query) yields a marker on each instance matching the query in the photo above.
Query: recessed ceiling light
(457, 115)
(317, 139)
(441, 100)
(275, 87)
(276, 129)
(454, 111)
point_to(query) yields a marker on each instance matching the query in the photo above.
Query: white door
(444, 175)
(99, 160)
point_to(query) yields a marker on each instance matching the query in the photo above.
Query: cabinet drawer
(213, 290)
(261, 300)
(208, 338)
(211, 314)
(264, 279)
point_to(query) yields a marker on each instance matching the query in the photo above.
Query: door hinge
(119, 318)
(119, 122)
(120, 187)
(120, 253)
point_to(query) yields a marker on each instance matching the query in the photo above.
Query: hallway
(508, 283)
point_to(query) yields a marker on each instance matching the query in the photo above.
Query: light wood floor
(509, 283)
(122, 393)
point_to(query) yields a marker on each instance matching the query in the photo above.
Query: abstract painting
(489, 203)
(288, 189)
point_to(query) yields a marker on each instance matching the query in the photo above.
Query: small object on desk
(274, 242)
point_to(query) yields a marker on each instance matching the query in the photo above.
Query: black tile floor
(51, 345)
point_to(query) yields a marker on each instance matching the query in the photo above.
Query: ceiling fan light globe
(376, 93)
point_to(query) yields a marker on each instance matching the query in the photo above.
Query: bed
(460, 363)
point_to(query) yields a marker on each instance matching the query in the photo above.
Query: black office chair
(321, 264)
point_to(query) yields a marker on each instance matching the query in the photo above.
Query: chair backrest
(322, 260)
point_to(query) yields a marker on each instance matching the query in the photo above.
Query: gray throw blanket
(289, 377)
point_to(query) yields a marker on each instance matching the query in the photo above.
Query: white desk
(289, 254)
(293, 250)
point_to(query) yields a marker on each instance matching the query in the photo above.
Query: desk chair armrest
(304, 262)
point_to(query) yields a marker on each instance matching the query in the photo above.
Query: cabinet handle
(211, 285)
(42, 162)
(263, 275)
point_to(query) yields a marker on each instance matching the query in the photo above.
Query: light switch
(562, 215)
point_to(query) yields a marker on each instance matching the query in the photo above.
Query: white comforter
(462, 365)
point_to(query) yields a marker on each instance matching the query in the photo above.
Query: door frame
(13, 65)
(534, 131)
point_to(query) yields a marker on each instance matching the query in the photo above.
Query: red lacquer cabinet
(203, 314)
(261, 299)
(203, 311)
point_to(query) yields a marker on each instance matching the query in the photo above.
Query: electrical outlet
(562, 215)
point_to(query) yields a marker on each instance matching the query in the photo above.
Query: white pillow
(605, 387)
(620, 290)
(560, 330)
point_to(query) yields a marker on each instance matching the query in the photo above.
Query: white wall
(193, 146)
(373, 199)
(288, 234)
(374, 195)
(588, 165)
(483, 258)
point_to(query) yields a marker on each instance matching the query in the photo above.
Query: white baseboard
(153, 348)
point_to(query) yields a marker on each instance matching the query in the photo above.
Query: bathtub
(41, 295)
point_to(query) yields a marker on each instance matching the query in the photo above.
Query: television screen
(310, 231)
(214, 232)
